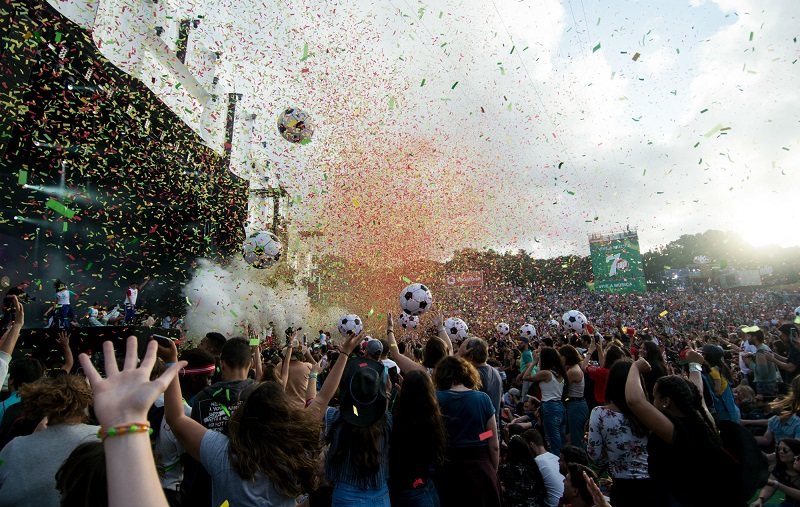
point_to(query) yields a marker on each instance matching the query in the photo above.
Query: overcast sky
(521, 124)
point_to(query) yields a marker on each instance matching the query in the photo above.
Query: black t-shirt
(792, 358)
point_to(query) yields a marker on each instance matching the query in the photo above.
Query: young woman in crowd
(619, 439)
(523, 484)
(469, 475)
(722, 382)
(658, 366)
(30, 463)
(550, 378)
(418, 443)
(437, 347)
(575, 403)
(358, 433)
(681, 428)
(599, 374)
(783, 476)
(785, 423)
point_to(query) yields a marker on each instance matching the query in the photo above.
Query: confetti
(594, 50)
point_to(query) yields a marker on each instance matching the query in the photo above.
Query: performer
(64, 313)
(130, 300)
(8, 303)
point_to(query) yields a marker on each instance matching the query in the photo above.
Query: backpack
(742, 459)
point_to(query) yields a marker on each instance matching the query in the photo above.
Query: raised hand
(124, 397)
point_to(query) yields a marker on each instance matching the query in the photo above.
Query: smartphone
(323, 362)
(162, 340)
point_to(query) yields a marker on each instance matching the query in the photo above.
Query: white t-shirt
(62, 297)
(323, 339)
(170, 450)
(745, 348)
(131, 296)
(553, 480)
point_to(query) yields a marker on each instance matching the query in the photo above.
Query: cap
(374, 348)
(513, 392)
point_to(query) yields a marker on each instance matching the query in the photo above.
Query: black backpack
(747, 466)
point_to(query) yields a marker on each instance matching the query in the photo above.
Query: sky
(512, 124)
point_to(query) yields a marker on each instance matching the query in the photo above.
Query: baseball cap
(513, 392)
(374, 348)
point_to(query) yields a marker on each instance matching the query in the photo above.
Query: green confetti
(698, 144)
(371, 311)
(234, 314)
(570, 192)
(325, 176)
(422, 83)
(703, 111)
(512, 50)
(59, 35)
(644, 172)
(598, 22)
(405, 279)
(254, 342)
(59, 208)
(305, 52)
(751, 36)
(64, 229)
(391, 103)
(23, 177)
(454, 86)
(305, 142)
(678, 50)
(594, 50)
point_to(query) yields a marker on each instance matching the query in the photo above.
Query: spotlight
(17, 217)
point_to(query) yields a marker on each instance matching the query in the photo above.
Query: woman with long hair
(681, 427)
(469, 475)
(575, 402)
(522, 481)
(269, 456)
(721, 382)
(620, 439)
(29, 463)
(550, 379)
(358, 433)
(418, 443)
(658, 366)
(783, 475)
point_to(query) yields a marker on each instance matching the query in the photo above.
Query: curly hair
(291, 462)
(59, 399)
(453, 370)
(689, 401)
(418, 427)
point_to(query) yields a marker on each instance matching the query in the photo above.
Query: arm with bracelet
(121, 402)
(321, 400)
(404, 363)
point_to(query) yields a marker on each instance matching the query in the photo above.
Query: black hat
(363, 389)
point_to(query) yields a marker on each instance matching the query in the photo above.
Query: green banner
(617, 264)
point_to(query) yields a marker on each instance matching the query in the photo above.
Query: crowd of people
(693, 407)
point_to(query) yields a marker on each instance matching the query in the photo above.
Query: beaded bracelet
(123, 429)
(312, 375)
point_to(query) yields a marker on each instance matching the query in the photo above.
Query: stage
(41, 342)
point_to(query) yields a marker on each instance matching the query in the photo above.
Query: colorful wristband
(123, 429)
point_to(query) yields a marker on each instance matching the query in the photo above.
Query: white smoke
(226, 298)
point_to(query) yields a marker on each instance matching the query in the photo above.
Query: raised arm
(10, 338)
(63, 340)
(320, 402)
(643, 409)
(146, 279)
(405, 364)
(122, 399)
(441, 332)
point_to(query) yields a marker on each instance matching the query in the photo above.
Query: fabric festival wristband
(695, 367)
(312, 375)
(199, 370)
(123, 429)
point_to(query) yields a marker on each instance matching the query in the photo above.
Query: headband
(200, 370)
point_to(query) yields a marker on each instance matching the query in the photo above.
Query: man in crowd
(8, 303)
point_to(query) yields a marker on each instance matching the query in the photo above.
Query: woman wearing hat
(469, 475)
(358, 433)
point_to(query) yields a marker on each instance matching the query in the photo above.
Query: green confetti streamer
(405, 279)
(305, 52)
(751, 36)
(512, 50)
(234, 314)
(570, 192)
(598, 22)
(594, 50)
(703, 111)
(23, 177)
(64, 229)
(423, 83)
(59, 208)
(391, 103)
(59, 35)
(254, 342)
(454, 86)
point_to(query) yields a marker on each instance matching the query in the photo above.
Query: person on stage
(64, 314)
(8, 303)
(130, 300)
